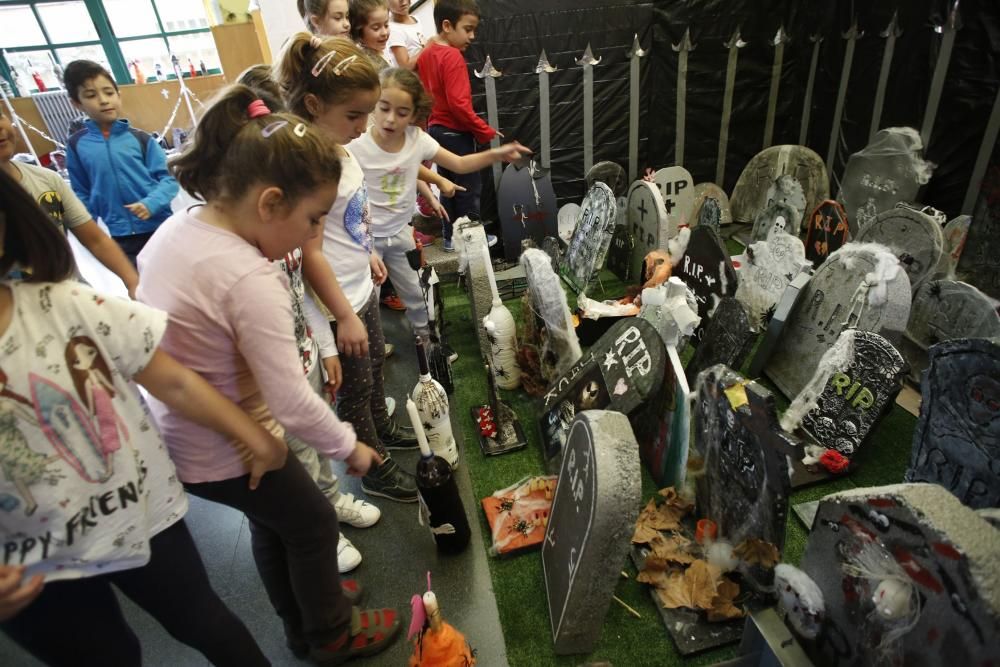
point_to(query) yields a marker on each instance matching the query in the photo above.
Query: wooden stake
(627, 608)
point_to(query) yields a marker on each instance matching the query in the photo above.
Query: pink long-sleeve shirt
(231, 322)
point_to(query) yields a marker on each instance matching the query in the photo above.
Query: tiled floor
(397, 553)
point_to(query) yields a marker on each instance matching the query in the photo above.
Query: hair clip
(300, 130)
(273, 127)
(338, 69)
(256, 109)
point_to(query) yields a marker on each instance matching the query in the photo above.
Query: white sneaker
(356, 512)
(348, 556)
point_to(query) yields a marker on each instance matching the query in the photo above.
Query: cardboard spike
(542, 70)
(890, 34)
(682, 50)
(587, 62)
(852, 36)
(807, 104)
(779, 41)
(634, 54)
(489, 73)
(734, 45)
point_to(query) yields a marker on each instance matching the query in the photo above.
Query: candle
(705, 531)
(418, 427)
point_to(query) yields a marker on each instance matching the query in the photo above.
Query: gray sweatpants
(392, 250)
(317, 465)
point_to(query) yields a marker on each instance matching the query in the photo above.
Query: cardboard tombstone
(957, 440)
(648, 222)
(776, 324)
(677, 188)
(526, 204)
(620, 253)
(619, 372)
(559, 349)
(775, 218)
(979, 264)
(702, 193)
(887, 171)
(787, 190)
(827, 231)
(955, 234)
(769, 268)
(470, 239)
(861, 286)
(750, 194)
(609, 173)
(591, 238)
(709, 215)
(708, 271)
(908, 576)
(567, 219)
(946, 310)
(594, 510)
(728, 338)
(914, 237)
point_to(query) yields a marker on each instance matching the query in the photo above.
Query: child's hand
(352, 337)
(510, 152)
(334, 375)
(139, 210)
(271, 455)
(448, 189)
(439, 209)
(13, 596)
(649, 175)
(361, 459)
(379, 272)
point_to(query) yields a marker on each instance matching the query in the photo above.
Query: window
(40, 37)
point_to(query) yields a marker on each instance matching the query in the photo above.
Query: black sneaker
(390, 481)
(397, 436)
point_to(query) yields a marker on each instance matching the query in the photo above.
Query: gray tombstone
(776, 325)
(591, 238)
(609, 173)
(887, 171)
(702, 193)
(908, 577)
(620, 371)
(560, 348)
(739, 456)
(709, 215)
(470, 239)
(567, 219)
(708, 271)
(827, 231)
(980, 260)
(787, 190)
(593, 515)
(860, 286)
(649, 223)
(957, 440)
(620, 253)
(955, 234)
(677, 188)
(775, 218)
(768, 269)
(913, 236)
(728, 338)
(946, 310)
(750, 194)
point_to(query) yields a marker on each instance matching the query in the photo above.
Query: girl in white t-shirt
(89, 496)
(390, 153)
(406, 35)
(326, 17)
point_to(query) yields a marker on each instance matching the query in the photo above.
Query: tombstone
(677, 188)
(946, 310)
(827, 231)
(552, 248)
(955, 234)
(708, 271)
(860, 286)
(750, 194)
(609, 173)
(914, 237)
(887, 171)
(567, 218)
(728, 338)
(559, 349)
(979, 264)
(702, 193)
(908, 576)
(787, 190)
(526, 204)
(776, 325)
(620, 253)
(591, 238)
(648, 222)
(619, 372)
(709, 215)
(957, 440)
(593, 515)
(775, 218)
(470, 238)
(768, 268)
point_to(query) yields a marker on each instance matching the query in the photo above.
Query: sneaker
(423, 239)
(448, 245)
(450, 354)
(353, 591)
(348, 556)
(491, 240)
(397, 436)
(390, 481)
(390, 402)
(355, 594)
(393, 302)
(356, 512)
(372, 631)
(389, 349)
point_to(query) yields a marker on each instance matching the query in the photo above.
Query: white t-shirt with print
(85, 479)
(54, 196)
(411, 36)
(392, 178)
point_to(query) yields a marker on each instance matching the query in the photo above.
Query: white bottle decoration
(503, 339)
(432, 406)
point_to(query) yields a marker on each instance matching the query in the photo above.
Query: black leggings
(79, 621)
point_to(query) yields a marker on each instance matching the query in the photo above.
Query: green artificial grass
(518, 581)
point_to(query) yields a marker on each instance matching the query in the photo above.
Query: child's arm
(108, 253)
(15, 593)
(79, 179)
(458, 93)
(352, 338)
(323, 336)
(464, 164)
(425, 190)
(447, 188)
(404, 59)
(166, 188)
(189, 394)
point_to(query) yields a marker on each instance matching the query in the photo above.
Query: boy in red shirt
(442, 69)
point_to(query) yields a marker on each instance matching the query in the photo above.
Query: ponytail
(332, 69)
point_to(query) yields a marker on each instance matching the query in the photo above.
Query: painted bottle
(432, 406)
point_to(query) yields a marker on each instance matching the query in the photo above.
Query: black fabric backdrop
(514, 32)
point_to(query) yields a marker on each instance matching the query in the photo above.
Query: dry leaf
(757, 552)
(673, 592)
(722, 608)
(655, 564)
(695, 588)
(644, 533)
(655, 577)
(672, 547)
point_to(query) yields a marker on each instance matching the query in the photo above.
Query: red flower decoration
(834, 462)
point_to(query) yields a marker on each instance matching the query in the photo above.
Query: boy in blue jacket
(119, 172)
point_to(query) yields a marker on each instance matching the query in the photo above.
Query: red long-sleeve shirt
(445, 76)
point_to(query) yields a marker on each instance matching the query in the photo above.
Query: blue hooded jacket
(107, 174)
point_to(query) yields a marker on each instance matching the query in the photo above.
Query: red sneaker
(393, 302)
(372, 631)
(423, 239)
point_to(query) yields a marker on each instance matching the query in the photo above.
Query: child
(326, 17)
(63, 207)
(390, 154)
(90, 497)
(452, 122)
(370, 29)
(332, 83)
(406, 37)
(267, 181)
(119, 172)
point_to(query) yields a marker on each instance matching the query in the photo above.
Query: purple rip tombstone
(708, 271)
(827, 231)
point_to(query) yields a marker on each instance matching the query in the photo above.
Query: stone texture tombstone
(526, 204)
(648, 222)
(739, 452)
(957, 440)
(677, 188)
(776, 325)
(768, 268)
(980, 260)
(914, 237)
(946, 310)
(587, 539)
(955, 234)
(702, 193)
(470, 237)
(827, 231)
(709, 215)
(775, 218)
(620, 254)
(860, 286)
(787, 190)
(566, 220)
(728, 338)
(708, 271)
(909, 577)
(619, 372)
(560, 349)
(609, 173)
(750, 194)
(591, 238)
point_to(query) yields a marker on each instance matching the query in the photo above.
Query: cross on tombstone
(594, 510)
(708, 271)
(677, 188)
(642, 210)
(650, 223)
(669, 206)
